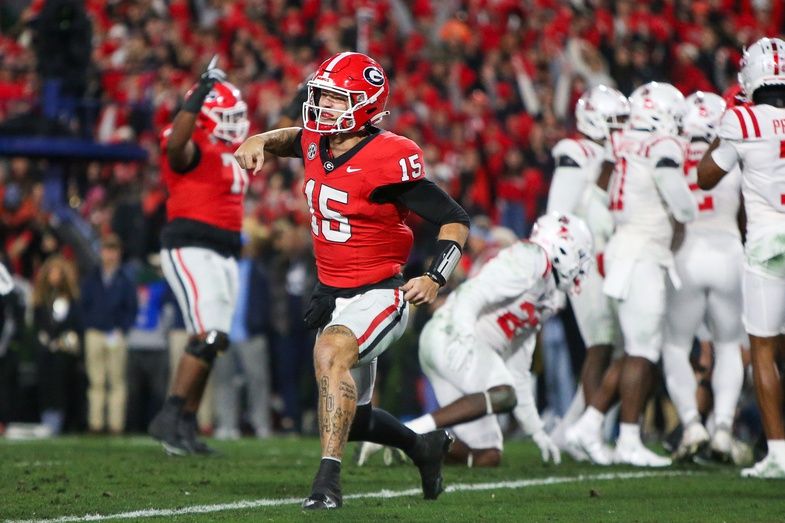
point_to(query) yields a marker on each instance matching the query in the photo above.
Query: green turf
(90, 475)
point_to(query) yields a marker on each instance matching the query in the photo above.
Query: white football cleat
(637, 455)
(767, 468)
(367, 449)
(721, 445)
(693, 440)
(581, 443)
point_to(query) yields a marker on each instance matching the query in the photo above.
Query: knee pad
(501, 399)
(207, 346)
(361, 423)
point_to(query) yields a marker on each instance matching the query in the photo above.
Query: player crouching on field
(477, 349)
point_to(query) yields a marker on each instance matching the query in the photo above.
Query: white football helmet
(702, 119)
(568, 242)
(658, 107)
(763, 63)
(600, 110)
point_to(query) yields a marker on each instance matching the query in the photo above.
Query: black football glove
(319, 312)
(193, 104)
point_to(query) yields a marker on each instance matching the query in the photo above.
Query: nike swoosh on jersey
(353, 169)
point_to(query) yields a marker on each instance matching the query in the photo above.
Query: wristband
(445, 262)
(193, 104)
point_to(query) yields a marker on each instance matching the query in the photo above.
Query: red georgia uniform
(358, 242)
(213, 191)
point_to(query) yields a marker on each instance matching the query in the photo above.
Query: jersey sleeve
(569, 182)
(512, 272)
(401, 161)
(667, 156)
(731, 133)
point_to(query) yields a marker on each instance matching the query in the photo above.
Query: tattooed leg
(335, 353)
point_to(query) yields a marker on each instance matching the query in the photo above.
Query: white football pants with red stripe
(205, 284)
(376, 318)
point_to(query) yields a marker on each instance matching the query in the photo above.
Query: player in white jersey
(477, 348)
(579, 162)
(754, 138)
(647, 190)
(709, 264)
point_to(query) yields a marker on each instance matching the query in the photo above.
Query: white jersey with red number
(717, 208)
(508, 300)
(644, 193)
(574, 190)
(754, 137)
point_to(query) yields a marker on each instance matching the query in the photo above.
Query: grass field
(130, 479)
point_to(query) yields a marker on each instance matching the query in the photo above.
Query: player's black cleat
(187, 430)
(428, 455)
(326, 488)
(164, 429)
(320, 501)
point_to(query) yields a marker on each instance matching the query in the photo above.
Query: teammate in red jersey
(201, 241)
(360, 183)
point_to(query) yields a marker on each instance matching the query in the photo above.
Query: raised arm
(181, 152)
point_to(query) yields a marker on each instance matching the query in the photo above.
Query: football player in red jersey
(201, 242)
(360, 183)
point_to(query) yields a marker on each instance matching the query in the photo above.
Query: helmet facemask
(344, 120)
(231, 123)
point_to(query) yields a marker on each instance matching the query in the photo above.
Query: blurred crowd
(485, 87)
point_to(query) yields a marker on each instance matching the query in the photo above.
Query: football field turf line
(271, 502)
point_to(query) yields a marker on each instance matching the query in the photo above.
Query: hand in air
(211, 75)
(419, 290)
(250, 155)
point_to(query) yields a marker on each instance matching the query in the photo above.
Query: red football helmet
(355, 78)
(734, 96)
(224, 114)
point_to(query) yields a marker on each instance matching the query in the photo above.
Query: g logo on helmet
(373, 76)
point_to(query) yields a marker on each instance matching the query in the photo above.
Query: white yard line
(458, 487)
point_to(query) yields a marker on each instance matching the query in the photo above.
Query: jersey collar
(329, 164)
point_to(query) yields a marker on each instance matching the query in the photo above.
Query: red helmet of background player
(224, 114)
(358, 79)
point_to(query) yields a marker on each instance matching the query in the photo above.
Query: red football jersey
(358, 242)
(213, 191)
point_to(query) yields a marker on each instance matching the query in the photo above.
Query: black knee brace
(207, 346)
(361, 424)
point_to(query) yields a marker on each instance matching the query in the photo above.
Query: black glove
(319, 312)
(193, 104)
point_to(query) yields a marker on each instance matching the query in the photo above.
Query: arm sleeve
(424, 198)
(672, 185)
(569, 182)
(519, 365)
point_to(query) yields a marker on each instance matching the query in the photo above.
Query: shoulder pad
(738, 123)
(665, 147)
(571, 149)
(400, 159)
